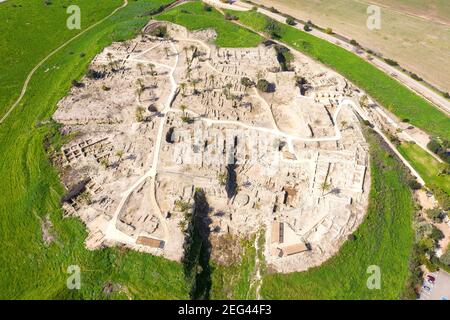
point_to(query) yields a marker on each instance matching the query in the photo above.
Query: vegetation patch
(194, 16)
(433, 172)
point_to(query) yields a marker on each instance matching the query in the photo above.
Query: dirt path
(112, 233)
(33, 71)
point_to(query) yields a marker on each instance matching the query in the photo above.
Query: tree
(343, 124)
(140, 83)
(264, 86)
(109, 56)
(229, 16)
(194, 83)
(445, 258)
(140, 66)
(183, 108)
(212, 77)
(139, 92)
(140, 114)
(436, 234)
(120, 154)
(291, 21)
(183, 88)
(222, 178)
(247, 82)
(436, 215)
(160, 32)
(105, 163)
(325, 186)
(152, 69)
(272, 28)
(364, 101)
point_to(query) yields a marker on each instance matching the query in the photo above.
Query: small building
(150, 242)
(293, 249)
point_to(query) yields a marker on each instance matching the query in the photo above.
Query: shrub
(94, 74)
(440, 147)
(207, 7)
(140, 114)
(416, 77)
(414, 184)
(435, 214)
(272, 28)
(329, 31)
(354, 43)
(445, 258)
(247, 82)
(229, 16)
(442, 197)
(307, 27)
(291, 21)
(272, 9)
(160, 32)
(77, 84)
(391, 62)
(436, 234)
(265, 86)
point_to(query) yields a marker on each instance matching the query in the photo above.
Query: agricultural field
(428, 167)
(31, 191)
(414, 33)
(388, 92)
(384, 239)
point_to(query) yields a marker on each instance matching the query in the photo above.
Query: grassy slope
(30, 187)
(27, 26)
(384, 239)
(394, 96)
(233, 282)
(194, 17)
(426, 165)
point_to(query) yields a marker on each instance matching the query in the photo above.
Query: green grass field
(194, 17)
(30, 188)
(391, 94)
(426, 165)
(385, 239)
(31, 24)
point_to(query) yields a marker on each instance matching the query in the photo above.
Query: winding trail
(33, 71)
(111, 232)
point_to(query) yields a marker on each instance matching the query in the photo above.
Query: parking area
(436, 286)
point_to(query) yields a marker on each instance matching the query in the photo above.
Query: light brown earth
(416, 34)
(146, 151)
